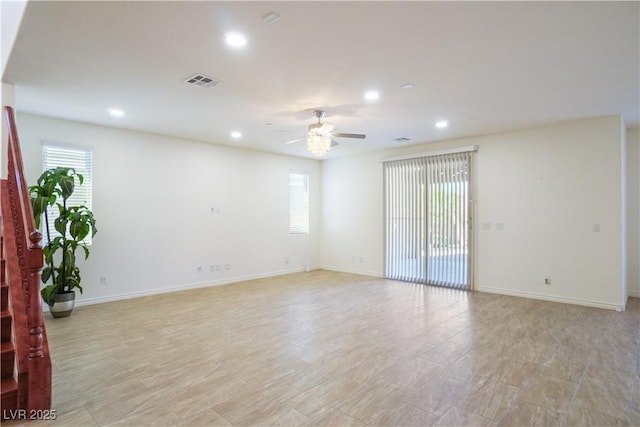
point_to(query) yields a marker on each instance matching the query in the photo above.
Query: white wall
(7, 95)
(352, 215)
(153, 200)
(549, 186)
(11, 13)
(633, 211)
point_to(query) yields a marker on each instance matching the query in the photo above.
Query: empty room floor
(335, 349)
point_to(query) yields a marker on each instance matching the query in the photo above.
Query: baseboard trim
(634, 294)
(352, 271)
(229, 281)
(221, 282)
(553, 298)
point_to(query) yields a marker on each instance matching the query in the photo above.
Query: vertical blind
(79, 158)
(427, 219)
(298, 203)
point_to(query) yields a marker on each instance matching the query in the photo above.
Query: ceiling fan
(319, 136)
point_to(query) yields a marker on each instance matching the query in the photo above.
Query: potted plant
(73, 224)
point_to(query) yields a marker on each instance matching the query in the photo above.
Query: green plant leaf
(79, 228)
(51, 248)
(74, 223)
(60, 224)
(39, 204)
(67, 184)
(46, 274)
(49, 188)
(49, 294)
(72, 282)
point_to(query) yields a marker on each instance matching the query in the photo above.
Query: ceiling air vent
(271, 17)
(202, 80)
(401, 139)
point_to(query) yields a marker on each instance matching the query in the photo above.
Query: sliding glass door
(428, 219)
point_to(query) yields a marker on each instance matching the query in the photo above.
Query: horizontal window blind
(298, 203)
(78, 158)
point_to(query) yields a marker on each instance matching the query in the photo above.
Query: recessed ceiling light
(441, 124)
(116, 112)
(235, 134)
(372, 95)
(235, 39)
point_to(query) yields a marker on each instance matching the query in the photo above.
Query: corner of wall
(633, 211)
(7, 95)
(624, 213)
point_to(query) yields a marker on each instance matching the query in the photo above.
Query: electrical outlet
(227, 266)
(103, 280)
(286, 260)
(547, 280)
(199, 269)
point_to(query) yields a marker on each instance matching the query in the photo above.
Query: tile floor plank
(326, 348)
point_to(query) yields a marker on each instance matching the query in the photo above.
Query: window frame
(51, 159)
(299, 202)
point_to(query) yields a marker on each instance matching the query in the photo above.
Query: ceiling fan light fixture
(318, 144)
(326, 128)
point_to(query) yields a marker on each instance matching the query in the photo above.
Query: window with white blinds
(78, 158)
(428, 219)
(298, 203)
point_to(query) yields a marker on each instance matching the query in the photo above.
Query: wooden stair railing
(26, 380)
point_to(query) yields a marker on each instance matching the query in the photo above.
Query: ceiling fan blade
(349, 135)
(325, 128)
(292, 141)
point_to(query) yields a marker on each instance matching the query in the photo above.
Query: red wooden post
(30, 257)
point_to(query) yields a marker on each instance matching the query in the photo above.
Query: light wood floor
(333, 349)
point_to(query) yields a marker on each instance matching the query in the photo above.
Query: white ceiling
(485, 67)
